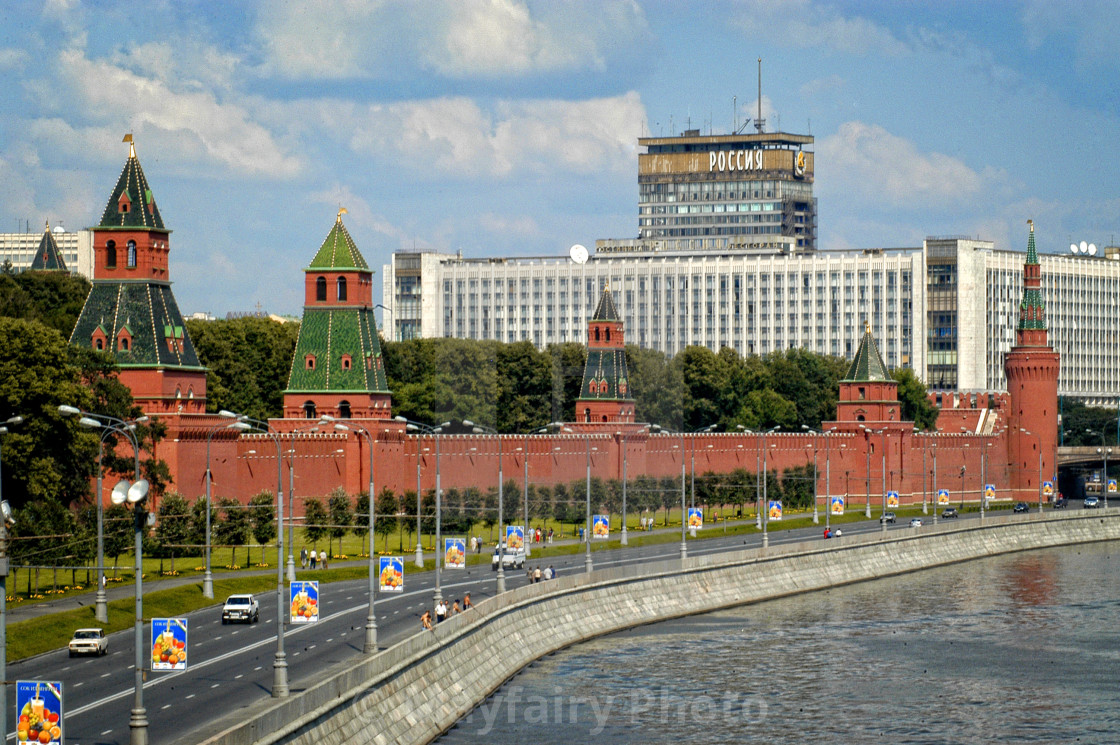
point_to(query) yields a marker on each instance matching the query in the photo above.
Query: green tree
(387, 506)
(566, 361)
(173, 527)
(234, 527)
(914, 399)
(197, 534)
(53, 299)
(657, 386)
(262, 516)
(524, 394)
(314, 520)
(341, 515)
(117, 532)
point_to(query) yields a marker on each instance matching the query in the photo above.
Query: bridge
(418, 688)
(1086, 457)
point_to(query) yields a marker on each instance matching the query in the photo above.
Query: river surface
(1017, 649)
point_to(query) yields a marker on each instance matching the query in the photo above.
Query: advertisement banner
(989, 492)
(943, 496)
(837, 504)
(892, 499)
(39, 711)
(1048, 488)
(169, 644)
(695, 518)
(390, 575)
(304, 601)
(515, 537)
(775, 510)
(600, 526)
(455, 553)
(1112, 486)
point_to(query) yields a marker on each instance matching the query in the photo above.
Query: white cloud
(505, 225)
(872, 164)
(456, 136)
(345, 39)
(187, 125)
(1092, 25)
(803, 24)
(13, 59)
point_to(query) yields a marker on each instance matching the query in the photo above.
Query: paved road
(231, 666)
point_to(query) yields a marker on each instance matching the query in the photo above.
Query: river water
(1016, 649)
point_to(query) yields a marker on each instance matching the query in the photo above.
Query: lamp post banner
(169, 644)
(989, 492)
(837, 504)
(600, 526)
(943, 496)
(390, 575)
(39, 711)
(695, 518)
(304, 601)
(1048, 488)
(775, 509)
(455, 553)
(1112, 486)
(515, 537)
(892, 499)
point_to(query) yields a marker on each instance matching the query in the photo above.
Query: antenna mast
(759, 122)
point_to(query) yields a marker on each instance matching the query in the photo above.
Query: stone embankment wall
(419, 688)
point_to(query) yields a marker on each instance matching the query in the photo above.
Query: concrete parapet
(420, 687)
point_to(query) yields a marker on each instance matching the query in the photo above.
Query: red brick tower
(1032, 368)
(605, 397)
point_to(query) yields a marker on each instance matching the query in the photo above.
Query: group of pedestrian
(476, 544)
(536, 574)
(443, 612)
(313, 560)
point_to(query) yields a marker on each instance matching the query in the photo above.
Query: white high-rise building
(76, 249)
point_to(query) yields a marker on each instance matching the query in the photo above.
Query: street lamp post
(587, 528)
(136, 495)
(5, 521)
(421, 428)
(692, 505)
(370, 646)
(101, 607)
(500, 585)
(937, 494)
(207, 577)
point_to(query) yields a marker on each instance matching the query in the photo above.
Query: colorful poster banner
(455, 553)
(304, 601)
(38, 711)
(943, 496)
(600, 526)
(989, 492)
(892, 499)
(775, 510)
(837, 504)
(695, 518)
(1048, 488)
(1112, 486)
(390, 575)
(169, 644)
(515, 537)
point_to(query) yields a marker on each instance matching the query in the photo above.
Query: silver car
(89, 641)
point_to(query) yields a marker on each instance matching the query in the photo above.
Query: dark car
(948, 512)
(1060, 503)
(886, 517)
(1022, 507)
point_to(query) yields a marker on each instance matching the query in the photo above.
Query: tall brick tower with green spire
(1032, 368)
(131, 312)
(337, 368)
(605, 397)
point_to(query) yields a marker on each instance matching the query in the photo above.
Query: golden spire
(866, 326)
(341, 211)
(1031, 223)
(131, 145)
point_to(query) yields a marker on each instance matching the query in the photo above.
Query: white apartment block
(76, 249)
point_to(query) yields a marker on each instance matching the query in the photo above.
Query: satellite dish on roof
(1092, 249)
(578, 254)
(1084, 247)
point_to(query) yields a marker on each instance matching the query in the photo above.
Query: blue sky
(510, 128)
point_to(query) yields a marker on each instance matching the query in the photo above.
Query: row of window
(111, 255)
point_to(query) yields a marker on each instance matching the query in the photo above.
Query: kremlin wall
(338, 371)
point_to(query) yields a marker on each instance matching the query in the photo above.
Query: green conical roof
(346, 352)
(138, 208)
(1032, 309)
(338, 252)
(868, 363)
(48, 258)
(605, 376)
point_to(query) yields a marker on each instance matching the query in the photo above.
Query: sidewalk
(121, 590)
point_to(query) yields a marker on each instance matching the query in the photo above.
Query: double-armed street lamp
(6, 521)
(587, 530)
(625, 438)
(692, 486)
(684, 511)
(827, 434)
(135, 494)
(207, 577)
(435, 432)
(370, 646)
(500, 585)
(1104, 452)
(762, 513)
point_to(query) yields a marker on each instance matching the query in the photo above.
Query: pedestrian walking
(550, 535)
(553, 570)
(529, 574)
(472, 543)
(303, 557)
(547, 573)
(537, 574)
(467, 601)
(455, 608)
(311, 558)
(426, 620)
(441, 612)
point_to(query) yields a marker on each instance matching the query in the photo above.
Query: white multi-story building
(76, 249)
(755, 303)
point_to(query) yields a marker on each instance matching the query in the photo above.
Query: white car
(511, 559)
(89, 641)
(241, 608)
(915, 522)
